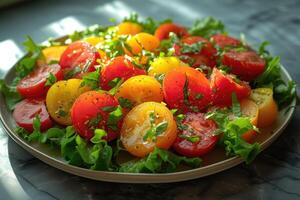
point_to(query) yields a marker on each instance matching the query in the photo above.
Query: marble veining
(275, 174)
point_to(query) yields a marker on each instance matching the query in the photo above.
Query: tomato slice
(205, 56)
(79, 54)
(224, 85)
(163, 31)
(33, 85)
(88, 113)
(118, 67)
(186, 89)
(246, 65)
(137, 124)
(224, 40)
(198, 136)
(26, 110)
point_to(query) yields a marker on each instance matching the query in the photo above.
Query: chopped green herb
(198, 96)
(155, 130)
(192, 48)
(236, 108)
(91, 79)
(69, 73)
(160, 77)
(51, 79)
(94, 122)
(125, 103)
(98, 135)
(186, 92)
(62, 113)
(114, 118)
(191, 138)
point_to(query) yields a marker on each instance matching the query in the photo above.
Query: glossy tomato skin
(223, 86)
(80, 54)
(118, 67)
(26, 110)
(86, 108)
(224, 40)
(33, 85)
(196, 125)
(163, 31)
(206, 56)
(182, 81)
(246, 65)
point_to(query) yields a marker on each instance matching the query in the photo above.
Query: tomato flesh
(225, 40)
(87, 114)
(163, 31)
(186, 89)
(119, 67)
(197, 127)
(223, 86)
(246, 65)
(79, 54)
(205, 56)
(33, 85)
(26, 110)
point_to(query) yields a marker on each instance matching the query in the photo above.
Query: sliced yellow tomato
(268, 110)
(141, 88)
(129, 28)
(142, 41)
(60, 98)
(94, 40)
(147, 126)
(162, 65)
(53, 53)
(250, 109)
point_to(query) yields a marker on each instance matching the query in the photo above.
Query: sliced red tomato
(163, 31)
(26, 110)
(224, 40)
(198, 137)
(79, 54)
(246, 65)
(118, 67)
(186, 89)
(90, 111)
(196, 61)
(206, 55)
(33, 85)
(224, 85)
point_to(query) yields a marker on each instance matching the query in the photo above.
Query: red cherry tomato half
(186, 89)
(79, 54)
(205, 56)
(207, 48)
(163, 31)
(225, 40)
(88, 113)
(33, 85)
(224, 85)
(246, 65)
(198, 136)
(118, 67)
(26, 110)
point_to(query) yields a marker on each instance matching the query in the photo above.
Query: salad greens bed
(102, 155)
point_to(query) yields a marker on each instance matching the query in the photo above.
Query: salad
(158, 93)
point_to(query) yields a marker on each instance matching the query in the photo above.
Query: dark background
(275, 174)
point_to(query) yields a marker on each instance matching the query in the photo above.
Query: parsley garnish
(191, 138)
(198, 96)
(114, 118)
(192, 48)
(155, 130)
(69, 73)
(94, 122)
(186, 91)
(51, 79)
(125, 103)
(91, 79)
